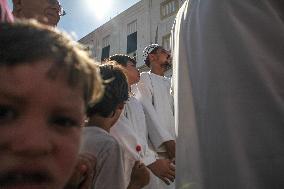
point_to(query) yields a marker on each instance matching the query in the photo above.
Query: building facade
(146, 22)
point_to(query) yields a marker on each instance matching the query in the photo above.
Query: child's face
(132, 72)
(40, 127)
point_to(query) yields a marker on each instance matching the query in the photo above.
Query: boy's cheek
(68, 151)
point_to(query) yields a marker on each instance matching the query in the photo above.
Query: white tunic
(131, 131)
(153, 91)
(229, 94)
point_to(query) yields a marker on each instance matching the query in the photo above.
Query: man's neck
(159, 72)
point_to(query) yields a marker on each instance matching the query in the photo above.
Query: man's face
(133, 75)
(40, 127)
(161, 57)
(45, 11)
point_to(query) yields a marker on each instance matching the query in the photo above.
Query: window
(106, 48)
(131, 37)
(132, 27)
(168, 8)
(131, 43)
(105, 53)
(166, 41)
(106, 41)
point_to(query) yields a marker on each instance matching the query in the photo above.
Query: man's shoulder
(144, 74)
(100, 138)
(144, 77)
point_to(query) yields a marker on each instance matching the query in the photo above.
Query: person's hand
(83, 173)
(140, 176)
(164, 169)
(170, 148)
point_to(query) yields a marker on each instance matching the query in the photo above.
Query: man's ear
(17, 7)
(152, 58)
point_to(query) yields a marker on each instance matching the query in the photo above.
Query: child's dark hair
(116, 90)
(122, 59)
(28, 42)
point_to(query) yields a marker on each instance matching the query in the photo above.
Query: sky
(84, 16)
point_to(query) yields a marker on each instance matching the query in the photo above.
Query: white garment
(229, 94)
(153, 91)
(109, 167)
(131, 131)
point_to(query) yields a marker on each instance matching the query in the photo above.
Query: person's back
(230, 66)
(96, 138)
(109, 165)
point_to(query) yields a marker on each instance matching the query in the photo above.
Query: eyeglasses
(61, 10)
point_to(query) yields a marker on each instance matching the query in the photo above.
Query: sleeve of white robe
(128, 139)
(149, 157)
(157, 134)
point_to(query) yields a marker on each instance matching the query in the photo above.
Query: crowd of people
(68, 122)
(124, 141)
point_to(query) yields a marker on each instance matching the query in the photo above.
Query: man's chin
(50, 20)
(166, 66)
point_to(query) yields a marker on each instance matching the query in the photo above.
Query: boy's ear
(118, 110)
(120, 106)
(17, 7)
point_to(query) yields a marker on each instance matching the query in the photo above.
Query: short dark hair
(122, 59)
(147, 61)
(27, 42)
(116, 90)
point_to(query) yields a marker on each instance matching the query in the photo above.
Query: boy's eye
(7, 113)
(64, 121)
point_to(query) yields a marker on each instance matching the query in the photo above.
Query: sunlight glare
(100, 8)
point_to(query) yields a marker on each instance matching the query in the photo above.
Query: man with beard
(153, 91)
(45, 11)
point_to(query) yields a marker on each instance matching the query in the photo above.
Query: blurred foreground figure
(46, 82)
(229, 94)
(45, 11)
(5, 14)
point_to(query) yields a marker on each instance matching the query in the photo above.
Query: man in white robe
(153, 91)
(229, 94)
